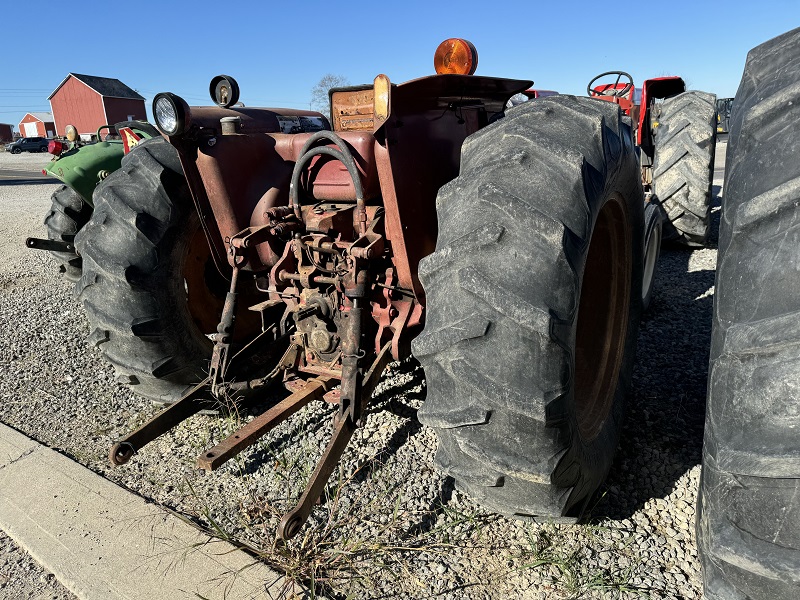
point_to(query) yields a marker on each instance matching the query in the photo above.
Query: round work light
(170, 113)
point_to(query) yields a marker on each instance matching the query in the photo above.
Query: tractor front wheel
(534, 296)
(683, 167)
(68, 214)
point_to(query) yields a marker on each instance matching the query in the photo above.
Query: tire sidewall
(653, 224)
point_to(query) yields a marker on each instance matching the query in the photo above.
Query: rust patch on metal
(353, 110)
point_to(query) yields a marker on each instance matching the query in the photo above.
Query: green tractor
(80, 167)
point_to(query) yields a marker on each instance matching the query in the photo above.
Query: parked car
(31, 144)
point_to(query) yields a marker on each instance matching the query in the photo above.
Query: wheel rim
(650, 258)
(602, 317)
(206, 290)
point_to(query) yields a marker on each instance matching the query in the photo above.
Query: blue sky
(278, 51)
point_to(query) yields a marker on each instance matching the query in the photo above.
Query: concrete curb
(105, 543)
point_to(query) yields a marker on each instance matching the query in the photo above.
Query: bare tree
(319, 93)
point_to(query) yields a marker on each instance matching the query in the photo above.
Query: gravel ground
(392, 526)
(21, 578)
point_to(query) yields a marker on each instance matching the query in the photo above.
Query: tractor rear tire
(68, 214)
(533, 297)
(748, 521)
(143, 283)
(683, 168)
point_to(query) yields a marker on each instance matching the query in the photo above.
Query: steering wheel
(612, 89)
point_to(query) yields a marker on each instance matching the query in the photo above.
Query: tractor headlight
(171, 113)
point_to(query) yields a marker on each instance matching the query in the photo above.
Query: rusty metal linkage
(222, 345)
(344, 424)
(197, 399)
(249, 434)
(193, 402)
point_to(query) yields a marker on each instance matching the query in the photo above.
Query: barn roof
(105, 86)
(44, 117)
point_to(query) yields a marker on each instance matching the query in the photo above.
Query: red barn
(88, 102)
(37, 124)
(6, 132)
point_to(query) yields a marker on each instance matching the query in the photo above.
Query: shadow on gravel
(430, 515)
(663, 433)
(397, 399)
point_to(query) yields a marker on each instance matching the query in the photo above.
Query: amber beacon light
(456, 56)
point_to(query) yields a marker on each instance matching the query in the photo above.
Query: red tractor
(677, 137)
(255, 249)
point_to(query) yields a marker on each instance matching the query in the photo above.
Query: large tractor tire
(683, 168)
(145, 283)
(68, 214)
(748, 524)
(533, 296)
